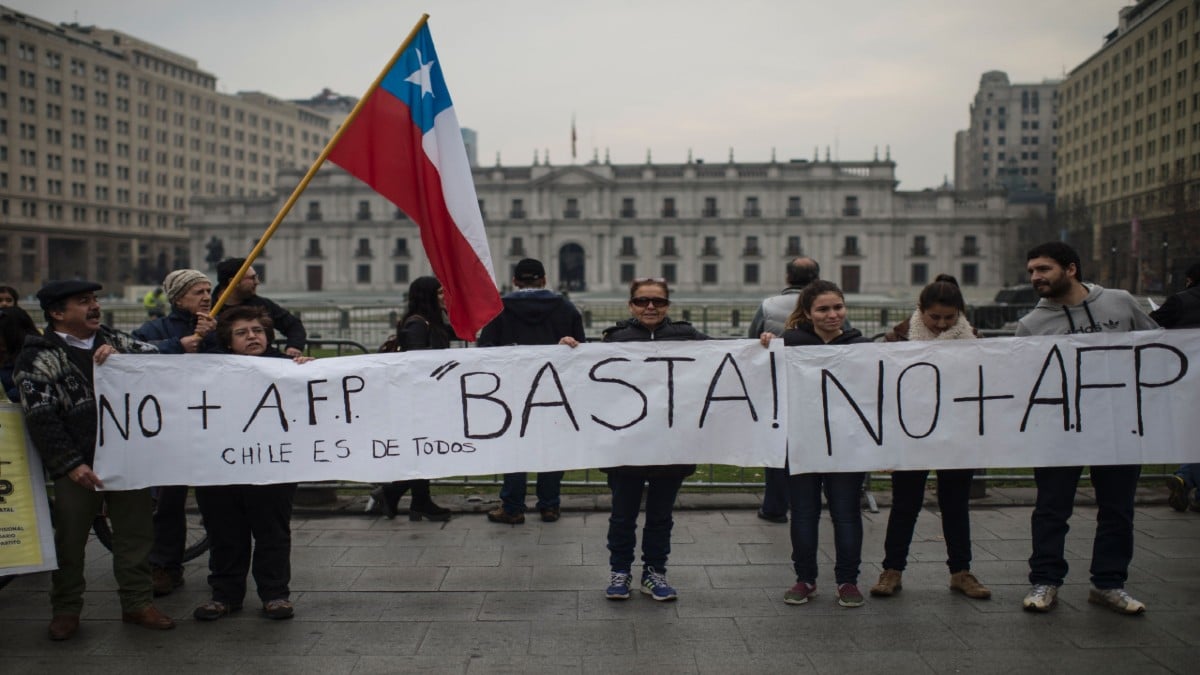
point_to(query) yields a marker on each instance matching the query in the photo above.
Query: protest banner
(1101, 398)
(212, 420)
(26, 539)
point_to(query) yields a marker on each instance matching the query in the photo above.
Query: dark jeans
(775, 492)
(627, 492)
(512, 493)
(170, 527)
(1190, 473)
(232, 515)
(420, 492)
(842, 492)
(908, 497)
(1113, 547)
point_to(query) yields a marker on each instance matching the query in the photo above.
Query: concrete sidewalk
(469, 596)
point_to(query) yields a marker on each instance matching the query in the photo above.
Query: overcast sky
(659, 75)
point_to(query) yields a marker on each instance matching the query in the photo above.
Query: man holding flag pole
(403, 139)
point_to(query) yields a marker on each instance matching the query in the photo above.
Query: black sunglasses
(643, 301)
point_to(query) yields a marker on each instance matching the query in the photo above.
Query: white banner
(26, 534)
(1125, 398)
(211, 420)
(1108, 398)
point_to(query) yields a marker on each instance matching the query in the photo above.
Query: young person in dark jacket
(15, 325)
(240, 519)
(940, 315)
(423, 326)
(649, 300)
(1182, 310)
(54, 374)
(818, 320)
(187, 329)
(246, 293)
(532, 315)
(1067, 307)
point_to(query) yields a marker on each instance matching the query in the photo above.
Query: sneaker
(654, 584)
(213, 610)
(848, 595)
(499, 515)
(800, 593)
(1177, 495)
(1041, 598)
(964, 582)
(551, 515)
(888, 584)
(1116, 599)
(618, 586)
(773, 518)
(280, 608)
(164, 581)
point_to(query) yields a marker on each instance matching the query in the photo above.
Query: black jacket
(804, 335)
(165, 332)
(630, 330)
(1181, 310)
(533, 317)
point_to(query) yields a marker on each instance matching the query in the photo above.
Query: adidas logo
(1112, 324)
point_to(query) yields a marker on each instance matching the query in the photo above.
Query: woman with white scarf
(940, 315)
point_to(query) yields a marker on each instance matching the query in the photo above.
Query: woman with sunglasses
(649, 300)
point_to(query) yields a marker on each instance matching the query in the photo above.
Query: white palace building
(709, 229)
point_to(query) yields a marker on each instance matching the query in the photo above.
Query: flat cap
(54, 291)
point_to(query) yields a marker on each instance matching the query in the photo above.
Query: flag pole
(312, 170)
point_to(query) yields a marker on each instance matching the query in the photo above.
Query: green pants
(130, 513)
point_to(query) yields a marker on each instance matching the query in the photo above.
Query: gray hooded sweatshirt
(1104, 310)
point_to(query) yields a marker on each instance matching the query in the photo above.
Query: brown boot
(164, 581)
(964, 582)
(63, 626)
(888, 584)
(149, 617)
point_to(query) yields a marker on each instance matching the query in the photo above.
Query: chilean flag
(406, 144)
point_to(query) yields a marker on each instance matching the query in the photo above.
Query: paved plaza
(468, 596)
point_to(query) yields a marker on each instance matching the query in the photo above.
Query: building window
(364, 210)
(518, 209)
(669, 272)
(750, 273)
(920, 274)
(970, 274)
(851, 210)
(794, 249)
(751, 210)
(314, 211)
(850, 246)
(710, 247)
(668, 247)
(400, 273)
(919, 247)
(668, 209)
(517, 247)
(627, 210)
(709, 273)
(363, 274)
(314, 248)
(752, 246)
(572, 208)
(401, 249)
(794, 208)
(627, 273)
(710, 207)
(627, 247)
(970, 245)
(364, 248)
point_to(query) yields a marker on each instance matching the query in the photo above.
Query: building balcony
(670, 213)
(710, 212)
(313, 253)
(751, 212)
(628, 213)
(571, 213)
(710, 252)
(363, 253)
(363, 215)
(919, 251)
(751, 251)
(517, 213)
(851, 212)
(795, 212)
(668, 252)
(970, 252)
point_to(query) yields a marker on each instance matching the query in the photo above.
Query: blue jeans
(1190, 473)
(908, 498)
(842, 492)
(622, 524)
(1112, 549)
(512, 493)
(775, 492)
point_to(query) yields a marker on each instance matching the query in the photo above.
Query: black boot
(422, 504)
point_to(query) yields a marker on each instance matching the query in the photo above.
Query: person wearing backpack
(423, 326)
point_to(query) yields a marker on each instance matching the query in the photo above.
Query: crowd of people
(50, 372)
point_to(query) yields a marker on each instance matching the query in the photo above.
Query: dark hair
(649, 281)
(1193, 275)
(243, 313)
(13, 292)
(807, 297)
(15, 324)
(943, 291)
(802, 271)
(56, 306)
(1060, 253)
(423, 301)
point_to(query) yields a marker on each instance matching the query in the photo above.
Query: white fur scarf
(961, 330)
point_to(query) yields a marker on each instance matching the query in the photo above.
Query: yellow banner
(24, 515)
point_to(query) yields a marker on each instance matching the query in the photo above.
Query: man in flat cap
(54, 377)
(532, 315)
(246, 293)
(186, 330)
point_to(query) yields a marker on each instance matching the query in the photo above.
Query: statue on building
(216, 252)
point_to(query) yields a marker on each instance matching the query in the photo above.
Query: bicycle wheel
(103, 531)
(197, 539)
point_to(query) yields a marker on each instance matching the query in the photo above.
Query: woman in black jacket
(648, 303)
(423, 326)
(819, 319)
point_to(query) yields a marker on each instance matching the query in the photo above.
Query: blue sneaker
(618, 586)
(654, 584)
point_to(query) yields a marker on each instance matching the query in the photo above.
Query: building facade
(1129, 158)
(723, 229)
(103, 140)
(1012, 138)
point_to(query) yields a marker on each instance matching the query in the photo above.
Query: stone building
(103, 140)
(1012, 137)
(710, 229)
